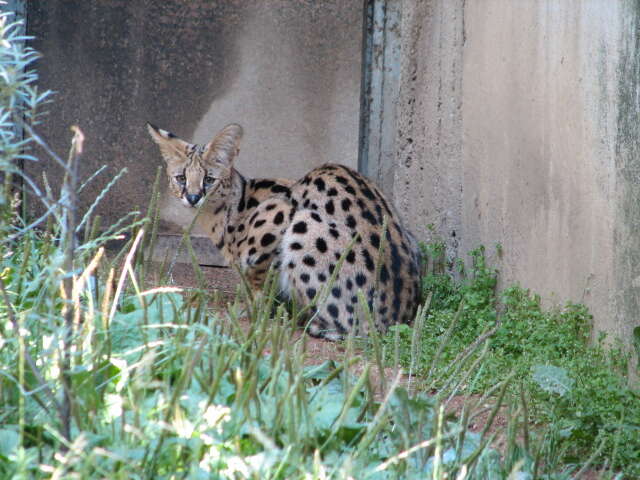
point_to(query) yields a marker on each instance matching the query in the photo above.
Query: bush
(599, 409)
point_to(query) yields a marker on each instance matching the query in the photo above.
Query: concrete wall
(518, 125)
(287, 70)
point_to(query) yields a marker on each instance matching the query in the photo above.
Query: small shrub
(599, 408)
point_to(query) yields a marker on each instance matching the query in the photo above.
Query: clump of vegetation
(577, 391)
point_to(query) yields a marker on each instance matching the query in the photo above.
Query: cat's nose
(193, 198)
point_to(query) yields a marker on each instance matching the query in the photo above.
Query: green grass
(163, 387)
(577, 390)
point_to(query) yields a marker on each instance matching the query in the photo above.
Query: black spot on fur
(329, 207)
(368, 261)
(346, 204)
(349, 189)
(296, 246)
(374, 238)
(341, 330)
(316, 217)
(379, 213)
(342, 180)
(259, 223)
(350, 308)
(319, 183)
(263, 257)
(311, 293)
(264, 184)
(279, 218)
(305, 278)
(384, 274)
(241, 227)
(396, 308)
(300, 227)
(322, 277)
(332, 267)
(333, 310)
(267, 239)
(336, 292)
(292, 265)
(397, 285)
(349, 284)
(351, 257)
(368, 216)
(368, 193)
(321, 245)
(334, 233)
(360, 279)
(252, 251)
(231, 229)
(396, 259)
(251, 241)
(332, 192)
(280, 189)
(252, 203)
(271, 206)
(351, 222)
(219, 209)
(306, 180)
(309, 260)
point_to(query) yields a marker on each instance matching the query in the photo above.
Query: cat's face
(198, 171)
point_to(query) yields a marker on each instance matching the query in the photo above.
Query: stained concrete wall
(518, 125)
(287, 70)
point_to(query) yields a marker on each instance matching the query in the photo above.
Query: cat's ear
(172, 148)
(224, 148)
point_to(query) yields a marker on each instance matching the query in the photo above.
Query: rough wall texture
(627, 149)
(520, 120)
(287, 70)
(428, 183)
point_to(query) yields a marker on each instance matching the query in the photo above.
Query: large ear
(171, 147)
(225, 146)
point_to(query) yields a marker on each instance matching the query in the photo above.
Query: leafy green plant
(579, 399)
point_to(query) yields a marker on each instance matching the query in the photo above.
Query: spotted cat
(302, 229)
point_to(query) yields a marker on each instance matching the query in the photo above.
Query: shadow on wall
(297, 94)
(116, 64)
(287, 70)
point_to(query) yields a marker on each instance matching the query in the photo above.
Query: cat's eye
(208, 180)
(181, 179)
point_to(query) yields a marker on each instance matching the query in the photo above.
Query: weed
(597, 407)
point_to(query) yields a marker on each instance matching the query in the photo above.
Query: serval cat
(302, 230)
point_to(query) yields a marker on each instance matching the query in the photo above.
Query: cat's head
(195, 171)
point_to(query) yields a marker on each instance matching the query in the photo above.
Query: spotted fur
(329, 224)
